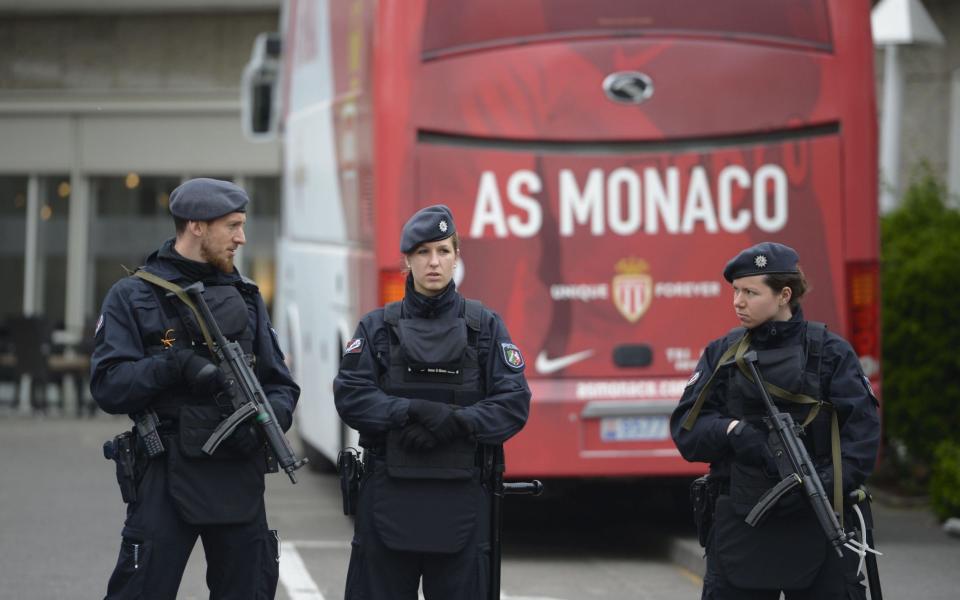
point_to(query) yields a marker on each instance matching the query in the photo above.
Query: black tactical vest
(437, 360)
(232, 314)
(794, 368)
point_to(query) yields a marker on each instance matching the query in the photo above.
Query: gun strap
(729, 353)
(180, 293)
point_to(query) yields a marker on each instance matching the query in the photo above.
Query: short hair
(797, 282)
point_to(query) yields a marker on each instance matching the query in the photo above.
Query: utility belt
(153, 435)
(353, 468)
(454, 460)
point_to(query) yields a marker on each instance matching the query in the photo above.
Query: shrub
(920, 272)
(945, 480)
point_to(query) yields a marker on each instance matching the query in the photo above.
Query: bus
(602, 159)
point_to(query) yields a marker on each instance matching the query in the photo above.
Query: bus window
(454, 26)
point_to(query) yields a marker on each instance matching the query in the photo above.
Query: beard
(222, 262)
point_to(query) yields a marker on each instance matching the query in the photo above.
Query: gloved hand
(201, 375)
(243, 442)
(749, 445)
(438, 417)
(414, 436)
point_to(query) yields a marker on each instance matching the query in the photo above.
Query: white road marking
(320, 544)
(301, 586)
(294, 575)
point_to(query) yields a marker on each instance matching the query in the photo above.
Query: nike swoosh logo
(545, 365)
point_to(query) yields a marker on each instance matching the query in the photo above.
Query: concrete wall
(169, 54)
(928, 71)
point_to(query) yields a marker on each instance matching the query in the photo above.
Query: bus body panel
(590, 226)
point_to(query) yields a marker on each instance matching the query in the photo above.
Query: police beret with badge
(429, 224)
(766, 258)
(206, 199)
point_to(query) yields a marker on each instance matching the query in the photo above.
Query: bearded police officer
(434, 385)
(719, 420)
(150, 361)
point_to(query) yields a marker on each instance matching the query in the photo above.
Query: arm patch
(511, 356)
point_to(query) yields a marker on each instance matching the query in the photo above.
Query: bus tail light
(864, 302)
(392, 286)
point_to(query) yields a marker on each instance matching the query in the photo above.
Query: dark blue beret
(763, 259)
(428, 224)
(207, 199)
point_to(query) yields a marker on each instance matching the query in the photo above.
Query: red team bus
(603, 160)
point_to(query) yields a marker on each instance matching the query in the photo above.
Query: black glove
(415, 436)
(201, 375)
(243, 442)
(438, 417)
(749, 445)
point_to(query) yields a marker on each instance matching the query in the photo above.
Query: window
(455, 25)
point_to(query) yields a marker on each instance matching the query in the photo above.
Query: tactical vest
(436, 360)
(794, 369)
(229, 309)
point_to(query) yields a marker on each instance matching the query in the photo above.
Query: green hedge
(945, 482)
(920, 275)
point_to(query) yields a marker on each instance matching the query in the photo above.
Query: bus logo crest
(628, 87)
(632, 288)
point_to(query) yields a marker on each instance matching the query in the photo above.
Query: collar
(774, 332)
(172, 266)
(416, 304)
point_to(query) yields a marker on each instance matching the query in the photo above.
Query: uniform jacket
(129, 368)
(842, 383)
(364, 406)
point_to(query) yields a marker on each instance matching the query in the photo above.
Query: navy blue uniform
(397, 540)
(132, 370)
(842, 384)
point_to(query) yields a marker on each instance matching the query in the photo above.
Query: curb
(895, 501)
(687, 553)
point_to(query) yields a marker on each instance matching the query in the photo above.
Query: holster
(122, 451)
(350, 469)
(703, 498)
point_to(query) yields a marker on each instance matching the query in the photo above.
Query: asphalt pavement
(61, 515)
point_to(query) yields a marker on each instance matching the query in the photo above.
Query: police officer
(434, 385)
(719, 420)
(150, 358)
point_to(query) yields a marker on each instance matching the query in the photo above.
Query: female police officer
(433, 384)
(719, 420)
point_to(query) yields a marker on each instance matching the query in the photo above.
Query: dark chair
(8, 369)
(32, 348)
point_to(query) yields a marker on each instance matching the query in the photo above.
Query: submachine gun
(249, 399)
(501, 489)
(795, 468)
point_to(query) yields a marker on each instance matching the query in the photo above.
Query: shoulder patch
(693, 379)
(511, 356)
(354, 346)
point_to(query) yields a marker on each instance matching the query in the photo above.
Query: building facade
(105, 107)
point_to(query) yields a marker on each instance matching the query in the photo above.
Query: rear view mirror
(259, 103)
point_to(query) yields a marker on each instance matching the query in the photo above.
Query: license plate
(634, 429)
